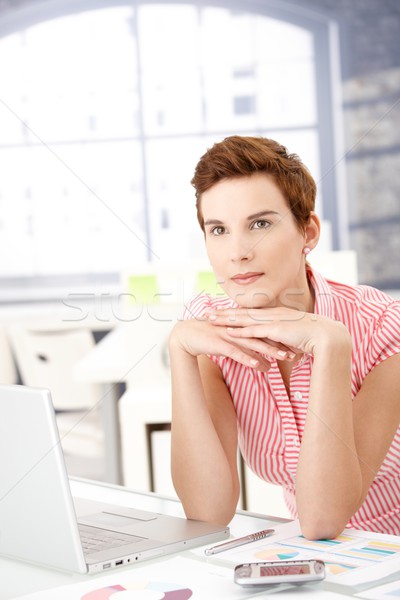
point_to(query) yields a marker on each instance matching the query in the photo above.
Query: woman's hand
(201, 336)
(261, 329)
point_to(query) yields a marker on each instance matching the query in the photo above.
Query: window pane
(172, 94)
(271, 88)
(87, 88)
(175, 234)
(116, 121)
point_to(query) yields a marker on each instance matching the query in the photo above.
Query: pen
(253, 537)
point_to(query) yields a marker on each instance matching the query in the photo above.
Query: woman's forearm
(201, 471)
(329, 482)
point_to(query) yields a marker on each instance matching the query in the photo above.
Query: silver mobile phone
(271, 573)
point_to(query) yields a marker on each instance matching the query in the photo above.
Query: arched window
(104, 111)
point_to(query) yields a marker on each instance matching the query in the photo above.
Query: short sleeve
(385, 338)
(197, 306)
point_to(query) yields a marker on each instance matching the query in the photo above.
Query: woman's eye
(218, 230)
(261, 224)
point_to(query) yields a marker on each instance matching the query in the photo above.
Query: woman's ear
(312, 231)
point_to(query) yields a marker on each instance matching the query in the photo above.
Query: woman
(303, 372)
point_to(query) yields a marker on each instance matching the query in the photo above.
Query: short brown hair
(238, 156)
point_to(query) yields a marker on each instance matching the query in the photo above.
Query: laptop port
(106, 565)
(119, 562)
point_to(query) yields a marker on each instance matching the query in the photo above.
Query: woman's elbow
(222, 518)
(322, 522)
(324, 529)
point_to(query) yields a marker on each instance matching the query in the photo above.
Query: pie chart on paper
(279, 553)
(140, 591)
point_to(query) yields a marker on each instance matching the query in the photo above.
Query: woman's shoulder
(365, 297)
(358, 306)
(197, 305)
(366, 310)
(359, 296)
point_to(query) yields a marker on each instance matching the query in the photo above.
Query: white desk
(18, 578)
(134, 353)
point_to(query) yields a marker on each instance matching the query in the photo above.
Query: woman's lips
(246, 278)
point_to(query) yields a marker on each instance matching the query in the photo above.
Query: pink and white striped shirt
(271, 424)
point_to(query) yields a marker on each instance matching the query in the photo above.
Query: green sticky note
(206, 283)
(143, 289)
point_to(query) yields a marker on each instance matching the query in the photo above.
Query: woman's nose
(241, 249)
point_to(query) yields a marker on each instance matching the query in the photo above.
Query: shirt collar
(324, 295)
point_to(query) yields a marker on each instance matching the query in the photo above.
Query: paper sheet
(173, 579)
(352, 558)
(382, 592)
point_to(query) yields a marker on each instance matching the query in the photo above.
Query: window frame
(326, 50)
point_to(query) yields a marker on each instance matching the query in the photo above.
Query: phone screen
(270, 571)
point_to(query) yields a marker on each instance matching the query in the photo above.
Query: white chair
(145, 407)
(46, 359)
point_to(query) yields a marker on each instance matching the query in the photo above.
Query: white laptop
(38, 517)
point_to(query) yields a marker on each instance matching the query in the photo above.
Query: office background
(106, 106)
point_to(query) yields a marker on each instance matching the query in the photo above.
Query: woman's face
(254, 244)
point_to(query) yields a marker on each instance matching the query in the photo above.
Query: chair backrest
(47, 358)
(8, 371)
(144, 343)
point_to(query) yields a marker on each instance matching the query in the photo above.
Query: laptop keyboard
(95, 539)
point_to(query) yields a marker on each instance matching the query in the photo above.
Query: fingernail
(254, 362)
(282, 353)
(291, 355)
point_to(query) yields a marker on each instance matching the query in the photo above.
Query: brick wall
(370, 66)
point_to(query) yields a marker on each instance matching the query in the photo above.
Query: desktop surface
(18, 578)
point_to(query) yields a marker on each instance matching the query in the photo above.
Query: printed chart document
(382, 592)
(354, 557)
(173, 579)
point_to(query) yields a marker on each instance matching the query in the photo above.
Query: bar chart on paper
(352, 557)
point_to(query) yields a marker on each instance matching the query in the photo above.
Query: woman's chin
(253, 299)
